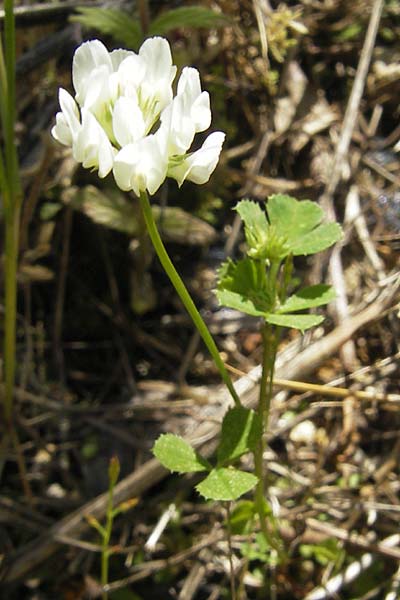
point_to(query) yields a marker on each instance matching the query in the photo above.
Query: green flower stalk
(184, 294)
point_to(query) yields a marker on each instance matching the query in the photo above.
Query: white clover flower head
(125, 119)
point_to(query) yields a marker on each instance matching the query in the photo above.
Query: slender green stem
(271, 340)
(270, 343)
(10, 187)
(3, 116)
(10, 303)
(3, 181)
(259, 499)
(184, 294)
(12, 200)
(9, 125)
(259, 452)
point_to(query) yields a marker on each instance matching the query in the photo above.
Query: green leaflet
(177, 455)
(301, 322)
(241, 431)
(299, 221)
(226, 484)
(308, 297)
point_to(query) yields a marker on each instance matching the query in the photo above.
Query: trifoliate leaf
(301, 322)
(314, 295)
(299, 222)
(226, 484)
(240, 432)
(176, 454)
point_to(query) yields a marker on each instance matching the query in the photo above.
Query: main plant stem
(264, 403)
(184, 294)
(270, 345)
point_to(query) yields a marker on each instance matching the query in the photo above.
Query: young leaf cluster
(240, 433)
(258, 283)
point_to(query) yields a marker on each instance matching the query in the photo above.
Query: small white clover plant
(126, 119)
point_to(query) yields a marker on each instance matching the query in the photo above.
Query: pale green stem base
(184, 294)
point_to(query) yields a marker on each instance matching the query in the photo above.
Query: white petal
(177, 126)
(92, 147)
(67, 121)
(157, 55)
(189, 83)
(140, 166)
(118, 56)
(97, 88)
(201, 113)
(61, 132)
(87, 58)
(196, 103)
(128, 123)
(106, 155)
(156, 88)
(131, 72)
(197, 167)
(69, 110)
